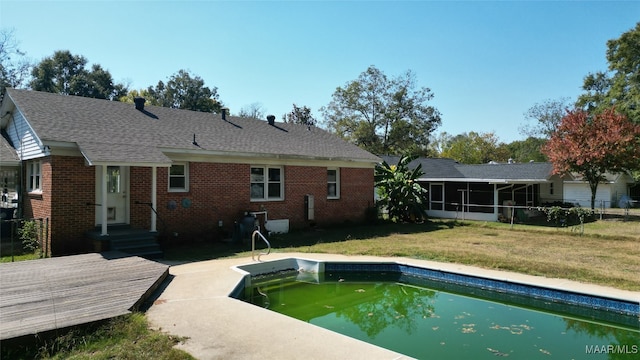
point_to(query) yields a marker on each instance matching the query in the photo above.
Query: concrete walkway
(195, 304)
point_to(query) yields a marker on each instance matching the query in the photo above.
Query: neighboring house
(9, 170)
(91, 163)
(483, 192)
(608, 194)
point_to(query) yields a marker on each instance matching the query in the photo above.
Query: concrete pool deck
(195, 304)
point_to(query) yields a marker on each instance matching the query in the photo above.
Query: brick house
(91, 165)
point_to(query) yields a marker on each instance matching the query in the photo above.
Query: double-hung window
(179, 177)
(267, 183)
(333, 183)
(34, 169)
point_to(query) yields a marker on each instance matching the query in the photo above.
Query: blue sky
(485, 62)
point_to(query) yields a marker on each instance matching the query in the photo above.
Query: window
(266, 183)
(550, 188)
(333, 184)
(34, 176)
(113, 179)
(179, 177)
(436, 196)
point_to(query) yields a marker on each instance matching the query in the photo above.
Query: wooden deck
(48, 294)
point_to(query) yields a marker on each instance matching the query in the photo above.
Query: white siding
(580, 193)
(555, 182)
(459, 215)
(23, 137)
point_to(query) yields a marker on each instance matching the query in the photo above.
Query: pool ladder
(266, 301)
(253, 245)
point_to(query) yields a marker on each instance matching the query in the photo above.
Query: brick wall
(65, 194)
(217, 192)
(220, 192)
(356, 194)
(73, 187)
(38, 205)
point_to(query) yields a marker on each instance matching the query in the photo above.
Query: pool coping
(241, 330)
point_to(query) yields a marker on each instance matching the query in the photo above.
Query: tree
(143, 93)
(183, 91)
(475, 148)
(546, 116)
(399, 190)
(14, 67)
(623, 55)
(597, 88)
(621, 86)
(65, 73)
(300, 115)
(439, 142)
(592, 144)
(382, 115)
(526, 150)
(252, 111)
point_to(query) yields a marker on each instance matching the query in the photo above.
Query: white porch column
(104, 201)
(496, 209)
(463, 192)
(154, 200)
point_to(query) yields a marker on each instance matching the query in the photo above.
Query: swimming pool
(425, 312)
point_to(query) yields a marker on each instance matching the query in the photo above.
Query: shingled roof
(8, 155)
(110, 131)
(439, 169)
(432, 167)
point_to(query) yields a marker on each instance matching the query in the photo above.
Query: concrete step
(136, 242)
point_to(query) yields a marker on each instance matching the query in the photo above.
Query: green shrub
(567, 216)
(29, 234)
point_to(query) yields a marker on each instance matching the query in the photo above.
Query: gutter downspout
(154, 200)
(103, 231)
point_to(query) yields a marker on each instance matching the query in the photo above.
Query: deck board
(48, 294)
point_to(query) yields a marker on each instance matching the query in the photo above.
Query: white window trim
(31, 188)
(186, 178)
(266, 183)
(337, 196)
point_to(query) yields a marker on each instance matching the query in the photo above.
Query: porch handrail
(164, 224)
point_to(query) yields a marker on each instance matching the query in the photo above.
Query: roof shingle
(116, 131)
(449, 169)
(8, 154)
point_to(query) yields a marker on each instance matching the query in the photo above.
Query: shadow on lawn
(198, 251)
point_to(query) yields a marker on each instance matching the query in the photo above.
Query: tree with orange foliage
(594, 144)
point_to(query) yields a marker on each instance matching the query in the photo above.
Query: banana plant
(400, 193)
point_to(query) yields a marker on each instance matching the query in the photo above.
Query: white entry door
(117, 182)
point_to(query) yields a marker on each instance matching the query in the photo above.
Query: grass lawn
(606, 253)
(127, 337)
